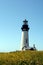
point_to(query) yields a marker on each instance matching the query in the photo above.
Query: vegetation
(22, 58)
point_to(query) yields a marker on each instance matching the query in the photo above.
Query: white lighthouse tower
(24, 38)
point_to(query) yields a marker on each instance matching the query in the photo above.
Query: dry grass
(22, 58)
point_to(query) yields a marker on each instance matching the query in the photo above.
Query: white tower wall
(24, 40)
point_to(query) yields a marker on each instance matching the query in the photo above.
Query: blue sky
(12, 13)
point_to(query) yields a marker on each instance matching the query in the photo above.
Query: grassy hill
(22, 58)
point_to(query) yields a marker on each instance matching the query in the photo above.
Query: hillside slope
(22, 58)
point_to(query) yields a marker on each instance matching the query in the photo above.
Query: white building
(25, 37)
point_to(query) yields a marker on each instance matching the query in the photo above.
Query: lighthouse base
(28, 48)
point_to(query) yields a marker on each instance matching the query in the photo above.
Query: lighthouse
(25, 36)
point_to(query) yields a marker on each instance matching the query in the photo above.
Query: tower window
(26, 40)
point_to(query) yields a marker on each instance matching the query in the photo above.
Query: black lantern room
(25, 26)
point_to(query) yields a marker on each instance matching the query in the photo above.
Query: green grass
(22, 58)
